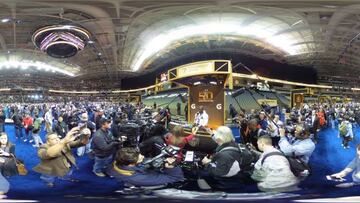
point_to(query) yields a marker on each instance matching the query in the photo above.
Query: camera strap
(231, 149)
(271, 154)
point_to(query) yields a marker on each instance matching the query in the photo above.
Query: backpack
(248, 158)
(297, 166)
(343, 129)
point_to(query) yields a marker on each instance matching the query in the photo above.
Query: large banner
(212, 99)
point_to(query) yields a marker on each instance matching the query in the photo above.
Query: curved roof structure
(131, 38)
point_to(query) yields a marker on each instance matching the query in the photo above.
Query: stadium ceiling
(129, 37)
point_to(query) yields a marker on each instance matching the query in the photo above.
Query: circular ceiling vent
(61, 41)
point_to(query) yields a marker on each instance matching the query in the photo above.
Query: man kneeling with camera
(127, 168)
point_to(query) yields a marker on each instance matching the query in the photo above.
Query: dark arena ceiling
(131, 38)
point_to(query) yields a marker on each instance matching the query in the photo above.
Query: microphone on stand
(238, 92)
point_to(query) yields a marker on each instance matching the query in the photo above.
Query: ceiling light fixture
(61, 41)
(26, 64)
(330, 6)
(5, 20)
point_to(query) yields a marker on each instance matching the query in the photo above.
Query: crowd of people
(126, 142)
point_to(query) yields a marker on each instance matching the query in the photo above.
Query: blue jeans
(37, 139)
(101, 164)
(28, 134)
(51, 179)
(18, 132)
(4, 184)
(84, 149)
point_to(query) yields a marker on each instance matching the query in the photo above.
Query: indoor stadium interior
(179, 100)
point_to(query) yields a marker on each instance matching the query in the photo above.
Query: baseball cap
(104, 120)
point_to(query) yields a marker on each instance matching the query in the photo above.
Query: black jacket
(115, 130)
(104, 144)
(9, 168)
(61, 129)
(224, 160)
(253, 136)
(148, 147)
(17, 121)
(2, 119)
(97, 122)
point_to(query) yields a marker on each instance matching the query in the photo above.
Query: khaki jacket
(56, 166)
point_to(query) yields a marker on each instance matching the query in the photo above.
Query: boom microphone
(238, 92)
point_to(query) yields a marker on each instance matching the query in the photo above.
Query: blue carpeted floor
(32, 186)
(329, 157)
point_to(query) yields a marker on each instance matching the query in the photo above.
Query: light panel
(267, 29)
(26, 64)
(74, 92)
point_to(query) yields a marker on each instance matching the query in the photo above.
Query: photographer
(85, 123)
(156, 136)
(299, 146)
(253, 133)
(231, 165)
(127, 168)
(56, 155)
(104, 146)
(179, 138)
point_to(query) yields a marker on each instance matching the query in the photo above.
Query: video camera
(159, 160)
(132, 132)
(192, 162)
